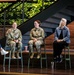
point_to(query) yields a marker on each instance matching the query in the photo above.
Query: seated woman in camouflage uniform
(14, 38)
(36, 38)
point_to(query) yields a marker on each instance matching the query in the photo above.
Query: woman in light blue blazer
(61, 39)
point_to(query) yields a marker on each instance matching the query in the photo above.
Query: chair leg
(9, 64)
(67, 58)
(41, 62)
(45, 56)
(29, 63)
(46, 61)
(4, 64)
(21, 60)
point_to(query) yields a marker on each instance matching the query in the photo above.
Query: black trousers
(58, 47)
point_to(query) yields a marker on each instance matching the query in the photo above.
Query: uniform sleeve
(31, 35)
(20, 36)
(8, 35)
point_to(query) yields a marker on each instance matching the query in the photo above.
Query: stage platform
(36, 71)
(35, 68)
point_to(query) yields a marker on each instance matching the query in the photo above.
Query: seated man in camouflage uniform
(14, 38)
(36, 38)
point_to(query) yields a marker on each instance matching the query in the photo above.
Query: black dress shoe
(59, 60)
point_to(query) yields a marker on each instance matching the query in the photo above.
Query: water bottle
(52, 65)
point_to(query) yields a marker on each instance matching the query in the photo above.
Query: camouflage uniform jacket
(12, 34)
(37, 33)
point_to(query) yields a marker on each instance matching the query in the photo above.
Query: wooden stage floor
(35, 71)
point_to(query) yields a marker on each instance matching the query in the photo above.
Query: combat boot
(13, 55)
(18, 56)
(39, 55)
(32, 55)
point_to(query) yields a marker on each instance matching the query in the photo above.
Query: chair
(8, 56)
(43, 57)
(67, 56)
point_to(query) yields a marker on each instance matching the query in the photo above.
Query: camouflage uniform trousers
(13, 46)
(37, 45)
